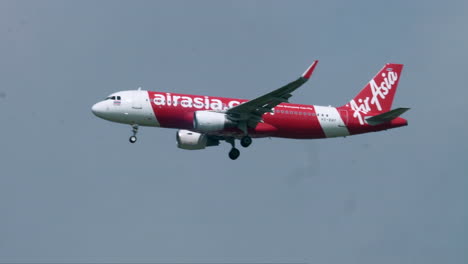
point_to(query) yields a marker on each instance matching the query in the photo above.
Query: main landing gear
(133, 138)
(246, 141)
(234, 153)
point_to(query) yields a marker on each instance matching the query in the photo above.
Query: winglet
(308, 72)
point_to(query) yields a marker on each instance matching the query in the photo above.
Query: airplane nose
(97, 109)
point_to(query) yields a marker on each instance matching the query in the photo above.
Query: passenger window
(118, 97)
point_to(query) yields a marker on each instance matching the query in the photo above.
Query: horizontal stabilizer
(385, 117)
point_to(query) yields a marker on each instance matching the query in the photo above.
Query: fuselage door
(137, 99)
(344, 116)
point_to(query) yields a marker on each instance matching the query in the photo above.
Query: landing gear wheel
(234, 153)
(133, 138)
(246, 141)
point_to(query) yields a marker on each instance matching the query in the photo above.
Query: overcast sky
(73, 189)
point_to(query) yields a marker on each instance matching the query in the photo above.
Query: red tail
(377, 95)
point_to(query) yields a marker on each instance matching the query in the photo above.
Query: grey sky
(72, 189)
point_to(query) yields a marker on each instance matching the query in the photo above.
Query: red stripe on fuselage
(288, 120)
(295, 121)
(174, 110)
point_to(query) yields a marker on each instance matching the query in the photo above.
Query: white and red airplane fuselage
(205, 120)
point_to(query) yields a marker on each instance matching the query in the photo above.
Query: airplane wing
(251, 112)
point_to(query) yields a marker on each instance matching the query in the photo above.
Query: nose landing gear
(133, 138)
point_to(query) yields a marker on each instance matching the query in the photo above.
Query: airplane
(204, 121)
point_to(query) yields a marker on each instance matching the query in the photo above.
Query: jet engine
(190, 140)
(211, 121)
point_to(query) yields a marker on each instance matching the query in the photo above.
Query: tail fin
(377, 95)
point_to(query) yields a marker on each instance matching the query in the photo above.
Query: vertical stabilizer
(377, 95)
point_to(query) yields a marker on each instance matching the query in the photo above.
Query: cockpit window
(113, 98)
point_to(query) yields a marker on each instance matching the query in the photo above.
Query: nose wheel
(133, 138)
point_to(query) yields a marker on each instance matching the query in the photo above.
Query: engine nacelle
(211, 121)
(190, 140)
